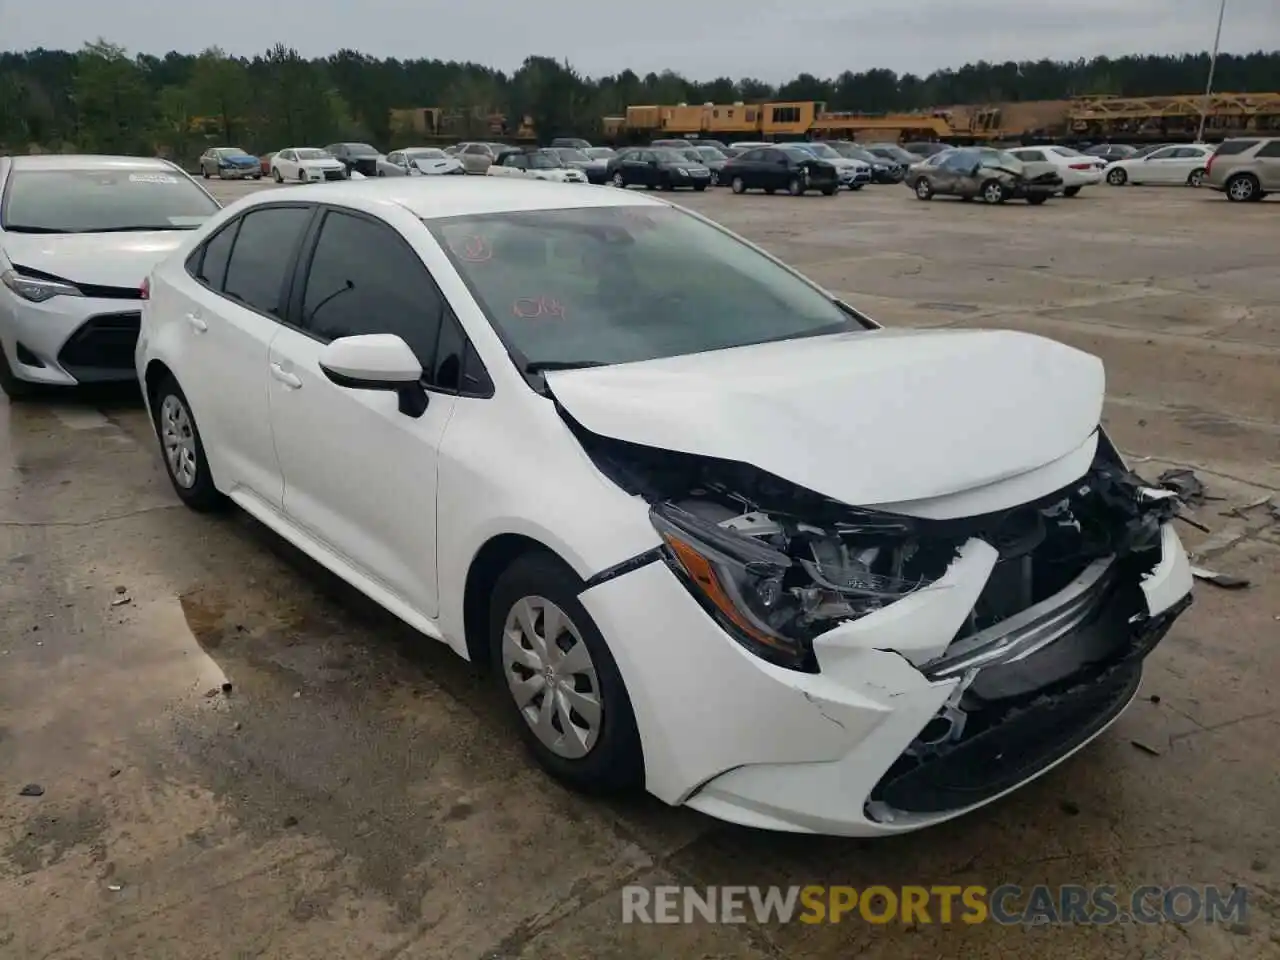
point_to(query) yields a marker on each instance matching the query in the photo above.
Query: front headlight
(777, 589)
(37, 291)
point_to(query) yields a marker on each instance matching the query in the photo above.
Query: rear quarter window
(1232, 147)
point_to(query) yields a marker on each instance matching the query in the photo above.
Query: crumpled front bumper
(747, 742)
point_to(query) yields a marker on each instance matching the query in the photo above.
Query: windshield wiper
(19, 228)
(537, 366)
(137, 229)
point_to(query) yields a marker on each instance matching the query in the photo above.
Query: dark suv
(356, 156)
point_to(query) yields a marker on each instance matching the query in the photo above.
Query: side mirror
(377, 361)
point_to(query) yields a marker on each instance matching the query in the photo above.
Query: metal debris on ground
(1185, 484)
(1145, 748)
(121, 601)
(1224, 580)
(31, 790)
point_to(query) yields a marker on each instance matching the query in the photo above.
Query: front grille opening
(103, 344)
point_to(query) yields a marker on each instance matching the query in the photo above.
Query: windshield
(230, 152)
(624, 283)
(1066, 152)
(361, 150)
(572, 154)
(600, 153)
(427, 154)
(691, 154)
(999, 158)
(543, 161)
(101, 201)
(311, 154)
(822, 150)
(669, 155)
(894, 152)
(710, 153)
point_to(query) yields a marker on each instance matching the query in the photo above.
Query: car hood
(101, 259)
(331, 164)
(243, 160)
(880, 417)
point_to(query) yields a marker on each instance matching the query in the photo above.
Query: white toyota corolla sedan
(78, 235)
(715, 531)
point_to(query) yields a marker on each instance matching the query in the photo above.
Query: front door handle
(197, 323)
(284, 376)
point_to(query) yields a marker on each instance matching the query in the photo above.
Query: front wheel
(1117, 178)
(1196, 178)
(1035, 199)
(204, 173)
(561, 678)
(795, 187)
(699, 187)
(277, 175)
(737, 186)
(1071, 192)
(183, 450)
(828, 191)
(257, 176)
(855, 186)
(619, 181)
(924, 189)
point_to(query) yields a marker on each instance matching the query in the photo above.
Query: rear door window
(262, 255)
(1270, 150)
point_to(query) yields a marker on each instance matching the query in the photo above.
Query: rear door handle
(197, 323)
(285, 377)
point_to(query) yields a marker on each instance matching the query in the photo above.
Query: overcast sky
(770, 39)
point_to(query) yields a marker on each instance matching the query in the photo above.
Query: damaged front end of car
(1044, 652)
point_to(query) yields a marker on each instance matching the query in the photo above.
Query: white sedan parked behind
(1076, 169)
(696, 513)
(1168, 165)
(307, 165)
(78, 235)
(418, 161)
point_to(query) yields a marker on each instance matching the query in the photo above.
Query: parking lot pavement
(356, 792)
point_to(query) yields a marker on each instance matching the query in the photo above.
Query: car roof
(472, 196)
(87, 161)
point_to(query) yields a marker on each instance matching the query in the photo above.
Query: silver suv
(1246, 168)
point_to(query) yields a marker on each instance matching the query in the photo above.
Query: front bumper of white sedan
(857, 749)
(323, 174)
(67, 340)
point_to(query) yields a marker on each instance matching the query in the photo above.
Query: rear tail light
(144, 290)
(1208, 167)
(1082, 166)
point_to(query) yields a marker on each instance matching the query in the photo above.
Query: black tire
(203, 172)
(201, 495)
(738, 185)
(17, 390)
(771, 190)
(1035, 199)
(993, 191)
(1071, 192)
(381, 173)
(1117, 177)
(795, 187)
(257, 176)
(856, 186)
(614, 762)
(276, 175)
(1195, 178)
(1243, 188)
(829, 191)
(924, 189)
(699, 187)
(302, 175)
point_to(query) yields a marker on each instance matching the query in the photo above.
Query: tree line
(102, 99)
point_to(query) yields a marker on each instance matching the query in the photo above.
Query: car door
(1267, 165)
(359, 475)
(953, 175)
(1160, 166)
(232, 311)
(287, 164)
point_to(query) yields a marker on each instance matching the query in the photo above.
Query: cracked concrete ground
(358, 794)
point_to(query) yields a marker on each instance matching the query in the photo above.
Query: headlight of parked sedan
(37, 291)
(774, 584)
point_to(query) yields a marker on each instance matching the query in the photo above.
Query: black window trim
(297, 290)
(290, 266)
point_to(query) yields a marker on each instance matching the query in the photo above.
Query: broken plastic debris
(120, 601)
(1185, 484)
(115, 887)
(1224, 580)
(31, 790)
(1145, 748)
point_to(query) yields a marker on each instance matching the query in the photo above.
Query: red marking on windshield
(474, 249)
(529, 308)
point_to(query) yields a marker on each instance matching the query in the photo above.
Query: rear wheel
(561, 678)
(619, 181)
(924, 189)
(1117, 177)
(1035, 199)
(795, 187)
(738, 186)
(828, 191)
(276, 175)
(1071, 191)
(993, 191)
(699, 187)
(182, 448)
(1196, 178)
(1244, 187)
